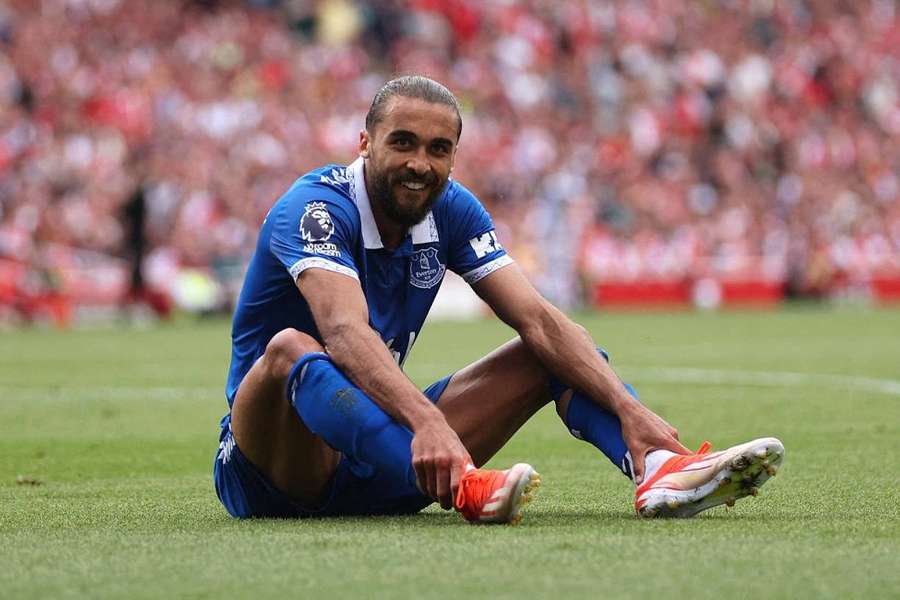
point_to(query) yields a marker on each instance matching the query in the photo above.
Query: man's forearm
(565, 348)
(366, 361)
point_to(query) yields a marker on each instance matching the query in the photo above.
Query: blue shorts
(355, 489)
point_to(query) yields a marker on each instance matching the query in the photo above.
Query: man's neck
(392, 234)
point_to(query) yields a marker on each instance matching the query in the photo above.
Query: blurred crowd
(612, 140)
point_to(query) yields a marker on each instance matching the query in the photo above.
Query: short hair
(411, 86)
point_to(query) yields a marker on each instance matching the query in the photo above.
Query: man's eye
(402, 143)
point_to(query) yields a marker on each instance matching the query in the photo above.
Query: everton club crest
(316, 224)
(425, 270)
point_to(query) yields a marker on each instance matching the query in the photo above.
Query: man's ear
(363, 148)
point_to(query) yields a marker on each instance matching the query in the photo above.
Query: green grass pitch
(107, 440)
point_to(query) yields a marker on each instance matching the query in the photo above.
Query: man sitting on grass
(324, 422)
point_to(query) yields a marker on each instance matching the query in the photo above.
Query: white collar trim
(371, 237)
(422, 233)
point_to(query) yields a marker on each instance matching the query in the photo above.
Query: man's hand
(645, 431)
(439, 459)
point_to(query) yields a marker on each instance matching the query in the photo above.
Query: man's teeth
(410, 185)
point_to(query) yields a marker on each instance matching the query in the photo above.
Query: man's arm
(568, 352)
(342, 316)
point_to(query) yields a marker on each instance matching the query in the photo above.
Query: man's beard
(383, 195)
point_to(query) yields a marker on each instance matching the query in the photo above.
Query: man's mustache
(411, 177)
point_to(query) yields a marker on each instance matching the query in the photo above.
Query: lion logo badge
(316, 224)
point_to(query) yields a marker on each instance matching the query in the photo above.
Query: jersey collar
(422, 233)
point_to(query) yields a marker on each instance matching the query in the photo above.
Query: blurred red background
(631, 152)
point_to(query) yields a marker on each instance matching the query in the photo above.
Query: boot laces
(475, 488)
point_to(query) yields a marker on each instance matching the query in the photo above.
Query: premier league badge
(425, 270)
(316, 224)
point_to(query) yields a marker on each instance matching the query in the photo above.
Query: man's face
(409, 156)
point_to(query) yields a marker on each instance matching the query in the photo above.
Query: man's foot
(490, 496)
(687, 484)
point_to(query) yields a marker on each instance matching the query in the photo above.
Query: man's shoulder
(331, 185)
(336, 177)
(459, 209)
(331, 180)
(457, 200)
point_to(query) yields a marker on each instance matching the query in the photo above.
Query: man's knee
(285, 348)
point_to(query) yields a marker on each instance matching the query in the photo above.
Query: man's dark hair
(411, 86)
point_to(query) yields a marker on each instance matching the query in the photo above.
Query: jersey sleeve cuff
(486, 269)
(320, 263)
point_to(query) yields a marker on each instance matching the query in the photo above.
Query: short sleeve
(475, 251)
(313, 229)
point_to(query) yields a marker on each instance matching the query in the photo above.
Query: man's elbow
(543, 320)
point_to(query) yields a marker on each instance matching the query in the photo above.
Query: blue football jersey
(325, 221)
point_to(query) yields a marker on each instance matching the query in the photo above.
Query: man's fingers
(456, 472)
(421, 477)
(677, 447)
(639, 466)
(430, 480)
(443, 486)
(433, 481)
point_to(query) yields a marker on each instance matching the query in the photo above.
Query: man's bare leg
(489, 400)
(268, 430)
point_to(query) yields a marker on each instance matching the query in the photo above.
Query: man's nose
(419, 164)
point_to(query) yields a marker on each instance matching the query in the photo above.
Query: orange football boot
(491, 496)
(685, 485)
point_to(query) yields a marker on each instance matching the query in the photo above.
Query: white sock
(654, 461)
